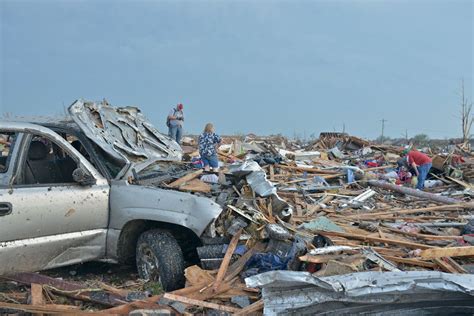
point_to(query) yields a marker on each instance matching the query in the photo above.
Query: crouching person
(421, 164)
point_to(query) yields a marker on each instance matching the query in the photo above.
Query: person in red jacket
(421, 163)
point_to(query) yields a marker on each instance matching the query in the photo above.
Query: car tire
(160, 258)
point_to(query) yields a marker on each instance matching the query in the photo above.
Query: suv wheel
(159, 258)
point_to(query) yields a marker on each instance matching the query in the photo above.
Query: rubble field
(330, 227)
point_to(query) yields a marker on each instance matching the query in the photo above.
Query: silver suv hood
(124, 133)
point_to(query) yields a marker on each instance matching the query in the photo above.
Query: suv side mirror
(83, 177)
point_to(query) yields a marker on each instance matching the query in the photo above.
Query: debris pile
(338, 206)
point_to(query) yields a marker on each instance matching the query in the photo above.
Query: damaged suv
(68, 194)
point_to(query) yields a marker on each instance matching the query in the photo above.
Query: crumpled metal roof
(123, 132)
(368, 293)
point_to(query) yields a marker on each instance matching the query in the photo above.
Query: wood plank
(225, 262)
(239, 265)
(462, 183)
(148, 303)
(66, 288)
(37, 294)
(422, 236)
(318, 207)
(112, 289)
(320, 258)
(332, 176)
(446, 267)
(195, 275)
(207, 292)
(185, 291)
(411, 261)
(195, 185)
(47, 309)
(252, 308)
(194, 302)
(380, 168)
(270, 211)
(307, 169)
(186, 178)
(455, 265)
(447, 252)
(272, 173)
(407, 244)
(441, 208)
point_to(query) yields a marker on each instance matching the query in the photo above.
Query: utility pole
(406, 135)
(343, 128)
(383, 128)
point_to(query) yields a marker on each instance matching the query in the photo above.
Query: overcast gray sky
(247, 66)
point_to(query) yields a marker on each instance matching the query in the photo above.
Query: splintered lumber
(190, 301)
(332, 176)
(380, 168)
(185, 291)
(249, 310)
(69, 289)
(445, 266)
(185, 179)
(422, 236)
(462, 183)
(455, 207)
(195, 275)
(206, 291)
(407, 244)
(239, 265)
(320, 258)
(272, 173)
(36, 294)
(411, 261)
(318, 207)
(148, 303)
(447, 252)
(50, 309)
(308, 169)
(225, 262)
(417, 193)
(112, 289)
(455, 265)
(196, 185)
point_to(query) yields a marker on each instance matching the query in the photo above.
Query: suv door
(49, 219)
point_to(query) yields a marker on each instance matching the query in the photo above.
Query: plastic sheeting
(374, 293)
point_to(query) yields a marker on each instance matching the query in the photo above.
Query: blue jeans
(423, 173)
(175, 132)
(210, 161)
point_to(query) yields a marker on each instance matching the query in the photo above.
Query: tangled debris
(334, 207)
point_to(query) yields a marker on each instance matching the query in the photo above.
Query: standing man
(175, 123)
(421, 163)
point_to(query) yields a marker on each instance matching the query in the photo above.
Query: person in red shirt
(421, 163)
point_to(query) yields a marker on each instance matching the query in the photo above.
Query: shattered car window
(113, 166)
(79, 146)
(6, 148)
